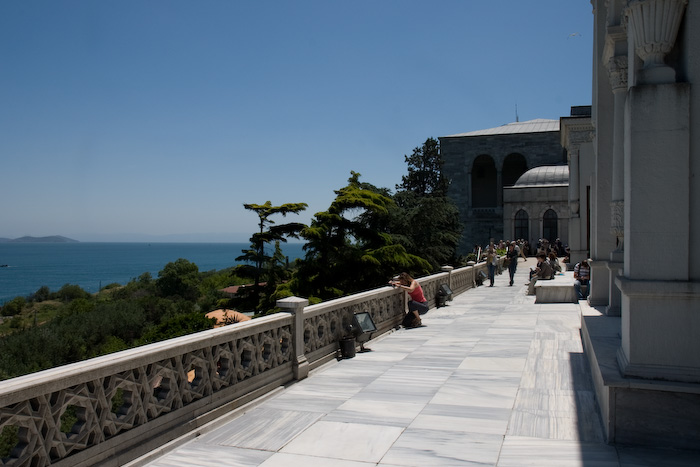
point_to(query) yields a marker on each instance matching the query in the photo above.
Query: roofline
(494, 131)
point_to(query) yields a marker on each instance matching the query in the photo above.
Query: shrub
(14, 306)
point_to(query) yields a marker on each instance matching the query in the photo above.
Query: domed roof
(545, 176)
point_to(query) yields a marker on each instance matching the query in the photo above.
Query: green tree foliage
(345, 252)
(425, 175)
(14, 306)
(85, 326)
(42, 294)
(263, 264)
(427, 221)
(179, 279)
(71, 292)
(178, 325)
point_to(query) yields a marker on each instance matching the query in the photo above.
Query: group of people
(547, 265)
(557, 247)
(513, 252)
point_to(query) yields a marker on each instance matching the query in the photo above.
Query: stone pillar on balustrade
(659, 298)
(295, 306)
(448, 270)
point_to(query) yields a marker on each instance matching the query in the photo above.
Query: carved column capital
(617, 218)
(574, 207)
(654, 25)
(617, 72)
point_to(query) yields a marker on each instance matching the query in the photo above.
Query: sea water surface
(28, 266)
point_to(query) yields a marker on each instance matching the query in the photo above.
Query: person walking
(512, 255)
(491, 262)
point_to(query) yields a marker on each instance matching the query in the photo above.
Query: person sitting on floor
(582, 275)
(542, 271)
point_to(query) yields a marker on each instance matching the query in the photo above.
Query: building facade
(644, 219)
(482, 164)
(537, 206)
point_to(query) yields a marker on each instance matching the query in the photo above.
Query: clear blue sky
(152, 120)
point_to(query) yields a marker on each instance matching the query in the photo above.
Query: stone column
(295, 306)
(576, 132)
(660, 303)
(601, 241)
(499, 185)
(617, 72)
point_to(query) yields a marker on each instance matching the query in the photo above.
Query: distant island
(49, 239)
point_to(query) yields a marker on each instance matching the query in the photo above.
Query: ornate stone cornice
(615, 42)
(577, 138)
(575, 132)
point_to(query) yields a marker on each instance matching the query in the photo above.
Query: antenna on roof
(516, 112)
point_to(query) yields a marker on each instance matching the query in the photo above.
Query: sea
(26, 267)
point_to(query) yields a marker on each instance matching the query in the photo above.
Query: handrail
(111, 409)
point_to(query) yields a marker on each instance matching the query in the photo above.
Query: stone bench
(559, 289)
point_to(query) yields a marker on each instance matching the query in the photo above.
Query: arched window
(484, 183)
(513, 167)
(521, 225)
(549, 226)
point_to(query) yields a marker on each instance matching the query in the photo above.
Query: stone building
(482, 164)
(537, 206)
(643, 339)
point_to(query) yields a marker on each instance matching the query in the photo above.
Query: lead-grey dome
(545, 176)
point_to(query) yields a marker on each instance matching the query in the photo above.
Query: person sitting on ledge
(417, 305)
(542, 271)
(582, 274)
(554, 262)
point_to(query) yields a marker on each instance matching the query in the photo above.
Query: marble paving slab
(419, 447)
(202, 455)
(263, 428)
(522, 452)
(348, 441)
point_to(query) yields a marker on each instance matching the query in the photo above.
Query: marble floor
(491, 379)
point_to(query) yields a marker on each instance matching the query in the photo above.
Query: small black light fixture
(444, 294)
(363, 327)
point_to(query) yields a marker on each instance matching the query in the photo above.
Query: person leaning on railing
(417, 305)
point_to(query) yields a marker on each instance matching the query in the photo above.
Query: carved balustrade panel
(462, 279)
(46, 428)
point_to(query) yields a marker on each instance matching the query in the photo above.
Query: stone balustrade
(111, 409)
